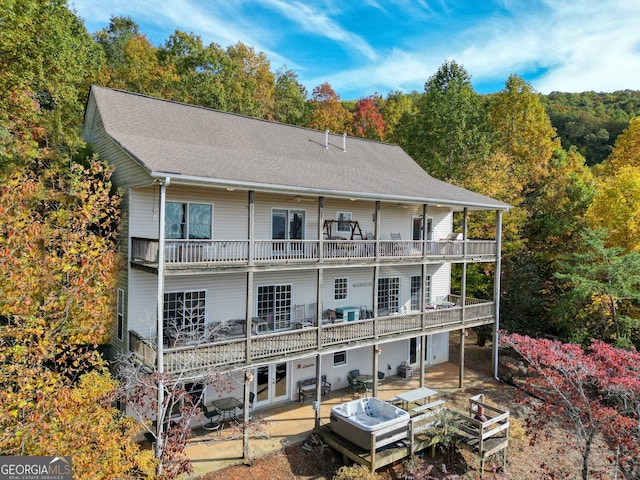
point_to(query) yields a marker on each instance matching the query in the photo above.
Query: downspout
(496, 291)
(160, 314)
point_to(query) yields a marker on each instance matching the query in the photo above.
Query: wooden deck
(484, 438)
(237, 352)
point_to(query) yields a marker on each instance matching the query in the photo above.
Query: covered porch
(293, 422)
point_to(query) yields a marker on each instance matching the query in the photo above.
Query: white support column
(496, 291)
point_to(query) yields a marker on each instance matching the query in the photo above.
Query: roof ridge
(240, 115)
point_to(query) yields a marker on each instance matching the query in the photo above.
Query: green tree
(601, 293)
(290, 99)
(198, 68)
(47, 61)
(248, 82)
(395, 107)
(449, 131)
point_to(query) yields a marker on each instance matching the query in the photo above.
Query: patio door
(271, 384)
(287, 225)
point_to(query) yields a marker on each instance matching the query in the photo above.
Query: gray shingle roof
(196, 142)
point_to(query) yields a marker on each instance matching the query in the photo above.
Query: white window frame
(195, 329)
(120, 314)
(393, 304)
(336, 288)
(186, 234)
(280, 317)
(340, 363)
(343, 218)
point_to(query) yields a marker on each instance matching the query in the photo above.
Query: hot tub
(356, 420)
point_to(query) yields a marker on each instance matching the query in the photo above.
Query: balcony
(237, 352)
(144, 251)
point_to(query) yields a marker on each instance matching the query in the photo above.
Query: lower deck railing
(230, 353)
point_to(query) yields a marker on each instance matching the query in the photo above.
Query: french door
(271, 384)
(287, 225)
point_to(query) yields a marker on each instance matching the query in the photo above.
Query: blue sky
(365, 46)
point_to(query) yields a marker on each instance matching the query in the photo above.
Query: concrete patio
(291, 423)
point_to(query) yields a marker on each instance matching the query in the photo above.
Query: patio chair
(211, 413)
(240, 417)
(381, 376)
(354, 373)
(355, 386)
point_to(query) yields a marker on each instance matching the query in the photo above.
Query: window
(287, 224)
(188, 220)
(339, 358)
(274, 305)
(184, 314)
(340, 288)
(344, 219)
(194, 390)
(416, 287)
(120, 313)
(388, 294)
(427, 289)
(416, 228)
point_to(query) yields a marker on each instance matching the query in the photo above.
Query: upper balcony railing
(235, 351)
(145, 250)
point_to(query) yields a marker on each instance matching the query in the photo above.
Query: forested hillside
(591, 121)
(569, 164)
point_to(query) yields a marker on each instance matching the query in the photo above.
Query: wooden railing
(145, 250)
(226, 353)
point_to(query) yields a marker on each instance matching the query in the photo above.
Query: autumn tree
(132, 62)
(594, 393)
(396, 106)
(367, 122)
(327, 111)
(57, 242)
(616, 205)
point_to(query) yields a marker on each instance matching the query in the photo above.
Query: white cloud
(317, 22)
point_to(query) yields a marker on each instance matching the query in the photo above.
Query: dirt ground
(551, 457)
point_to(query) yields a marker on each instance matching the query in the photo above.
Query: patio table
(366, 380)
(414, 396)
(227, 406)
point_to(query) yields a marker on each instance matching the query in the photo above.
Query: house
(279, 253)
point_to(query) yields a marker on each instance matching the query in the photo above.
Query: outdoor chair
(240, 417)
(381, 376)
(356, 387)
(354, 373)
(211, 413)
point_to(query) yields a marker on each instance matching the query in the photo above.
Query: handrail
(218, 252)
(229, 351)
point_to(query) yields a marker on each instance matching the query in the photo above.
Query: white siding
(360, 288)
(142, 302)
(361, 211)
(127, 172)
(143, 212)
(438, 348)
(303, 285)
(225, 293)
